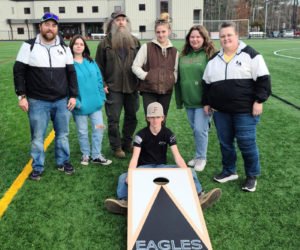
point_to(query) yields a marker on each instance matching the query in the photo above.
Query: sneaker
(200, 165)
(250, 184)
(128, 148)
(206, 200)
(85, 160)
(119, 153)
(101, 160)
(224, 177)
(116, 206)
(35, 175)
(192, 162)
(67, 168)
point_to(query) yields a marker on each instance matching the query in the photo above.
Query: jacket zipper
(225, 66)
(50, 62)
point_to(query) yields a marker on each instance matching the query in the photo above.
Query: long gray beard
(121, 38)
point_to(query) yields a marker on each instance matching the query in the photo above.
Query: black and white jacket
(233, 87)
(45, 74)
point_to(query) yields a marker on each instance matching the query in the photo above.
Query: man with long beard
(46, 85)
(115, 55)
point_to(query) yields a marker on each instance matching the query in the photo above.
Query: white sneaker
(200, 165)
(192, 162)
(85, 160)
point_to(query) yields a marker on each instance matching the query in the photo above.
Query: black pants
(163, 99)
(113, 107)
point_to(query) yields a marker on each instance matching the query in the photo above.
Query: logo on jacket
(60, 52)
(238, 63)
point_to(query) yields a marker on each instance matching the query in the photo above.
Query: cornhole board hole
(166, 215)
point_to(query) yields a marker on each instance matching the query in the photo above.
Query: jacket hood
(241, 46)
(58, 40)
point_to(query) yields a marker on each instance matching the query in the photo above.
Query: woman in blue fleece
(89, 102)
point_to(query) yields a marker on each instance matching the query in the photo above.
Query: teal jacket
(188, 88)
(91, 95)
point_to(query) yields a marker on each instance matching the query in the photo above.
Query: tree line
(281, 14)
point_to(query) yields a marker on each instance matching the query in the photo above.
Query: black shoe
(250, 184)
(67, 168)
(35, 175)
(101, 160)
(224, 178)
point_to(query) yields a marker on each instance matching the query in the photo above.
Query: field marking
(276, 53)
(18, 183)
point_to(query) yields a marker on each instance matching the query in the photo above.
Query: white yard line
(276, 53)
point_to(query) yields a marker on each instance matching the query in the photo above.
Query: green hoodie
(188, 89)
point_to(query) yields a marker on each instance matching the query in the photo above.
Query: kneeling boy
(150, 151)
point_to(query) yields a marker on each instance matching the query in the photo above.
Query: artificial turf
(67, 212)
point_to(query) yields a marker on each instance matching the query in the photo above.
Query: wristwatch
(20, 97)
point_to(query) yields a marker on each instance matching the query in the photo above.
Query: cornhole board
(165, 216)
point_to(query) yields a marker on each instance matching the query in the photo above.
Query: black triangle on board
(166, 228)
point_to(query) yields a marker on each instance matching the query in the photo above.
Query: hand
(106, 90)
(71, 103)
(257, 109)
(207, 110)
(23, 104)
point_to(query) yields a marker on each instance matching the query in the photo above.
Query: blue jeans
(243, 128)
(83, 133)
(39, 114)
(122, 190)
(199, 123)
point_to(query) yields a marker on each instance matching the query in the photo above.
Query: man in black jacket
(46, 85)
(115, 55)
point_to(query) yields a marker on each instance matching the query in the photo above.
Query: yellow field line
(18, 183)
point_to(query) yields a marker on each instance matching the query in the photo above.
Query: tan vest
(160, 78)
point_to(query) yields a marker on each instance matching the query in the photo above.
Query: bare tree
(282, 14)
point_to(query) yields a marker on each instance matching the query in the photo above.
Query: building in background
(183, 15)
(19, 19)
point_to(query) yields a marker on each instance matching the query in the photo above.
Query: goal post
(212, 27)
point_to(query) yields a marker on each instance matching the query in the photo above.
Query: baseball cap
(155, 109)
(118, 13)
(49, 16)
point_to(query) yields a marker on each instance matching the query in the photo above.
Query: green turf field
(67, 212)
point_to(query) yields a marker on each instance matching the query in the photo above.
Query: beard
(121, 37)
(48, 36)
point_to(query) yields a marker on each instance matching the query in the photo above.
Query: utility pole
(266, 16)
(295, 8)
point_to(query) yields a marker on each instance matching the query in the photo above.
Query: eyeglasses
(49, 16)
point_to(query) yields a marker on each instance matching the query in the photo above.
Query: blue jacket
(91, 95)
